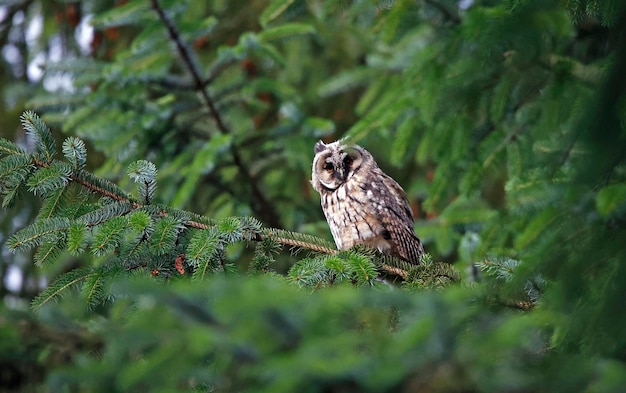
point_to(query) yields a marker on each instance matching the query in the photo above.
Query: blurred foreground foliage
(503, 120)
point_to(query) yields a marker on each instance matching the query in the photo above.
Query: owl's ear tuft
(319, 146)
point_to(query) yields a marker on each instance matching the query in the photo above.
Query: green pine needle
(62, 285)
(309, 272)
(250, 227)
(432, 275)
(106, 212)
(77, 238)
(10, 193)
(501, 268)
(342, 270)
(264, 255)
(75, 151)
(203, 245)
(14, 168)
(50, 178)
(39, 132)
(10, 148)
(205, 251)
(365, 272)
(54, 202)
(100, 185)
(140, 222)
(48, 229)
(231, 229)
(165, 233)
(96, 288)
(49, 252)
(108, 236)
(144, 173)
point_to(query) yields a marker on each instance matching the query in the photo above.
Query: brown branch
(271, 233)
(394, 270)
(260, 205)
(191, 223)
(93, 188)
(185, 53)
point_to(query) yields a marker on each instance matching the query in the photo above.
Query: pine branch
(76, 238)
(144, 174)
(50, 178)
(37, 130)
(309, 272)
(109, 236)
(364, 269)
(58, 287)
(432, 275)
(75, 151)
(249, 226)
(299, 240)
(105, 213)
(96, 288)
(112, 219)
(165, 234)
(503, 270)
(203, 246)
(102, 187)
(264, 255)
(48, 252)
(259, 203)
(53, 202)
(11, 148)
(94, 184)
(68, 280)
(37, 233)
(13, 164)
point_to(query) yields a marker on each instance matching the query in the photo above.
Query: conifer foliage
(126, 232)
(164, 195)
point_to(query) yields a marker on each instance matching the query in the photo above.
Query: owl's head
(335, 163)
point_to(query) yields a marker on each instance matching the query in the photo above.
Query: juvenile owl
(361, 203)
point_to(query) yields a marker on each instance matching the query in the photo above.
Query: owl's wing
(395, 215)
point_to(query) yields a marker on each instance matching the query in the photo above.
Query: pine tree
(187, 252)
(127, 232)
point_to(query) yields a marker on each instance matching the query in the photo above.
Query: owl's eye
(329, 167)
(348, 161)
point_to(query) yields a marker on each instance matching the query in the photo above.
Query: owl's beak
(341, 173)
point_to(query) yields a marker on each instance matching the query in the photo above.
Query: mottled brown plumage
(362, 204)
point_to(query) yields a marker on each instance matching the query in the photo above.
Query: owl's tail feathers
(409, 247)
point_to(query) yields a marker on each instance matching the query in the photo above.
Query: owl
(361, 203)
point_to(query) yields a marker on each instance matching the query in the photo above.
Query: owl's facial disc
(336, 167)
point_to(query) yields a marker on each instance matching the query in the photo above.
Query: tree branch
(277, 235)
(263, 209)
